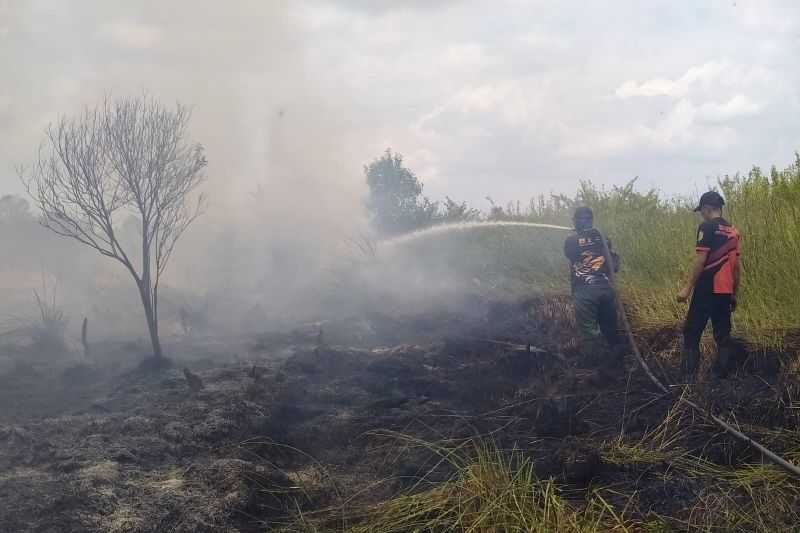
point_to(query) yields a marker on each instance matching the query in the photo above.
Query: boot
(691, 360)
(724, 362)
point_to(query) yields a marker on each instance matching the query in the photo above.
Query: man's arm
(694, 274)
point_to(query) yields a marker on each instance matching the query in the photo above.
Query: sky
(508, 99)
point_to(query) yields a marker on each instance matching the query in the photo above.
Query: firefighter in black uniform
(713, 285)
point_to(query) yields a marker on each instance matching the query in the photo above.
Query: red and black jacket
(720, 239)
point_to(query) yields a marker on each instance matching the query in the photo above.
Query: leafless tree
(123, 158)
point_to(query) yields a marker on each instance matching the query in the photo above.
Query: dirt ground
(308, 419)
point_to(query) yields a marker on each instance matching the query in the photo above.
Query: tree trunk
(152, 321)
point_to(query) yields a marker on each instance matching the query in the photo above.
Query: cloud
(687, 130)
(133, 35)
(673, 88)
(738, 106)
(545, 40)
(385, 6)
(466, 57)
(506, 99)
(774, 17)
(509, 101)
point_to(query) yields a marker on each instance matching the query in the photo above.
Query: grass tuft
(489, 491)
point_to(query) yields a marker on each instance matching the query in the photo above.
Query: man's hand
(734, 303)
(684, 294)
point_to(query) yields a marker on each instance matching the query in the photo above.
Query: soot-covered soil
(308, 420)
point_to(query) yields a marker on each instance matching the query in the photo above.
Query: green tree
(396, 204)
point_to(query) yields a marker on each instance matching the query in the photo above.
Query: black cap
(711, 199)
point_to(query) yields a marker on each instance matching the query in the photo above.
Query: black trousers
(707, 305)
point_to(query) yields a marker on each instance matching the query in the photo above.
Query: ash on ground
(309, 419)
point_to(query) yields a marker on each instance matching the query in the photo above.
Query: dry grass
(744, 498)
(489, 491)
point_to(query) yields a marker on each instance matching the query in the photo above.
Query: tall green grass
(655, 236)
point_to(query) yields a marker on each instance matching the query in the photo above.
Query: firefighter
(713, 285)
(592, 291)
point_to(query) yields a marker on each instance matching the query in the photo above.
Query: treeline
(654, 235)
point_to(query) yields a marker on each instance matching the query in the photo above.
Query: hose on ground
(790, 468)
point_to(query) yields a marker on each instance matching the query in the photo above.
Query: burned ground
(325, 418)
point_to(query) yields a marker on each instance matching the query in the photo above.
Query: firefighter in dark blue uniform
(592, 291)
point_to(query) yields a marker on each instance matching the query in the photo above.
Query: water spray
(465, 226)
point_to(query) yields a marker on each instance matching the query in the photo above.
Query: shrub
(48, 332)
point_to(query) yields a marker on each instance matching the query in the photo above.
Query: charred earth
(318, 423)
